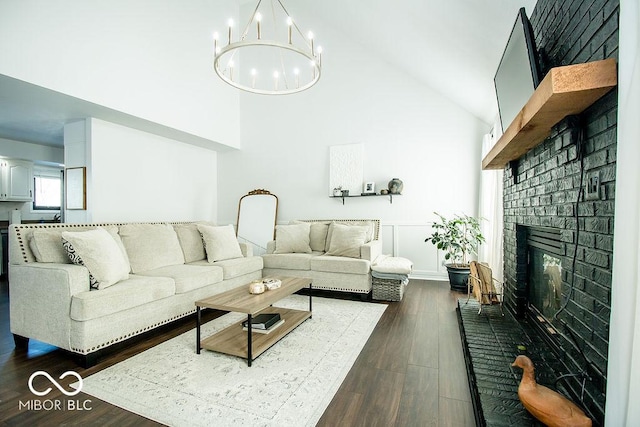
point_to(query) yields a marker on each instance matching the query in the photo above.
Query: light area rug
(291, 384)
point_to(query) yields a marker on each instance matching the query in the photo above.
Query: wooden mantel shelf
(564, 91)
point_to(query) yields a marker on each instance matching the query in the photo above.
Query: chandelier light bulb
(230, 27)
(215, 42)
(296, 72)
(319, 52)
(258, 18)
(231, 64)
(276, 76)
(253, 77)
(310, 35)
(289, 24)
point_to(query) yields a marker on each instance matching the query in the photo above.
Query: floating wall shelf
(564, 91)
(390, 196)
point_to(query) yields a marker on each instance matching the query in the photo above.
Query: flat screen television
(518, 74)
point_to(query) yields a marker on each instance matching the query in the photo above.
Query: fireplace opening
(545, 251)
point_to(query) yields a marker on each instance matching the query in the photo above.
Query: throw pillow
(151, 246)
(190, 242)
(317, 235)
(292, 238)
(99, 252)
(113, 230)
(220, 243)
(368, 224)
(346, 240)
(45, 245)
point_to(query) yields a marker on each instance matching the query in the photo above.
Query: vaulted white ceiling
(453, 46)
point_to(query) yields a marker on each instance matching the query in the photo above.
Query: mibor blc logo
(55, 404)
(55, 383)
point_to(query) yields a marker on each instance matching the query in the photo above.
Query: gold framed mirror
(257, 216)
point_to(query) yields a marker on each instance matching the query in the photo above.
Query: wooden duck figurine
(546, 405)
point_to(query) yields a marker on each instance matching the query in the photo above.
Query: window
(47, 190)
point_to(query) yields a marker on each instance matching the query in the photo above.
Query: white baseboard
(429, 275)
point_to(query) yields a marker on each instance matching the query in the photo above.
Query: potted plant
(459, 238)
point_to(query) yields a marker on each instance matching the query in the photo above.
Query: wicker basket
(387, 289)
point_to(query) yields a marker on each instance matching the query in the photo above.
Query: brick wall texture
(542, 189)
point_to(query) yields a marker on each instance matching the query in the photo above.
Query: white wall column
(623, 376)
(77, 153)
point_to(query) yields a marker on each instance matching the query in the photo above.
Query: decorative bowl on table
(271, 284)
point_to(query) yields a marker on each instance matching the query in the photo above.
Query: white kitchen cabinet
(16, 180)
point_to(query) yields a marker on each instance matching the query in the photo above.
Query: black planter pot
(458, 278)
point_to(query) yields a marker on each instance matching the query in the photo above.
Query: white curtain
(490, 209)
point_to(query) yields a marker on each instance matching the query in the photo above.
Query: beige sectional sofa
(127, 278)
(335, 254)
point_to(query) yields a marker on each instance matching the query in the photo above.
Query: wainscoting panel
(405, 239)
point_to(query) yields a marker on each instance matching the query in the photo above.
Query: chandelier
(270, 56)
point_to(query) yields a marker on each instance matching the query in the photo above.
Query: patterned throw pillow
(75, 259)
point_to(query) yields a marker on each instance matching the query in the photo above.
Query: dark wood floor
(411, 372)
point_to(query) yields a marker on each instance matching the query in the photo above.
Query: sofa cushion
(335, 264)
(134, 292)
(151, 246)
(220, 243)
(190, 242)
(188, 277)
(236, 267)
(289, 261)
(346, 240)
(99, 252)
(292, 238)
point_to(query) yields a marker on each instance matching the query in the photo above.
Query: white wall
(409, 131)
(623, 371)
(150, 58)
(136, 176)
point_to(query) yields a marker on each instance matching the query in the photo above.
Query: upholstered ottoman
(389, 276)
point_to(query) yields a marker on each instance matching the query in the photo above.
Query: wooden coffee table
(233, 340)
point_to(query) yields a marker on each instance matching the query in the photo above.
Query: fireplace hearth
(491, 343)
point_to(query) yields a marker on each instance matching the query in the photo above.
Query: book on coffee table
(263, 321)
(265, 331)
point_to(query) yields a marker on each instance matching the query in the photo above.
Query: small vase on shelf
(395, 186)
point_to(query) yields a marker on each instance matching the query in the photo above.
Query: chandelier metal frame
(224, 70)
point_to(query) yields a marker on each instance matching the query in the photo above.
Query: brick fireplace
(565, 188)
